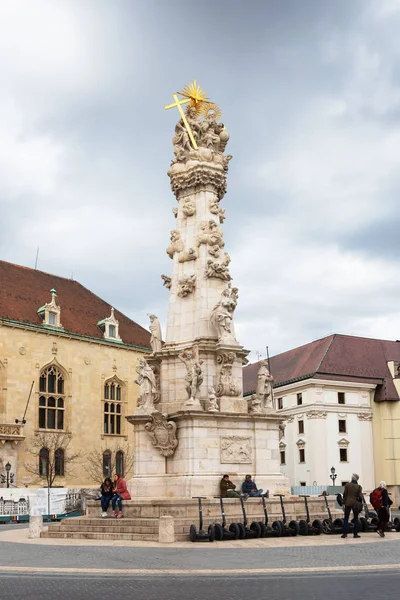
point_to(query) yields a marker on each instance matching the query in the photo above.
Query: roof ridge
(325, 353)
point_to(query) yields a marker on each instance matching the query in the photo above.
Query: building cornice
(323, 383)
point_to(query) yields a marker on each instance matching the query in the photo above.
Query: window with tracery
(59, 459)
(44, 462)
(119, 463)
(112, 409)
(107, 463)
(51, 399)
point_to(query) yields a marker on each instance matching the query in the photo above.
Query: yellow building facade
(79, 356)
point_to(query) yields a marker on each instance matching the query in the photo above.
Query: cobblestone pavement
(368, 586)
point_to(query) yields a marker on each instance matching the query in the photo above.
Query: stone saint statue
(156, 335)
(264, 389)
(193, 377)
(222, 314)
(211, 404)
(148, 388)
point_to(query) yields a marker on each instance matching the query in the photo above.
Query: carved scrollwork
(186, 285)
(316, 414)
(162, 433)
(226, 385)
(176, 244)
(363, 416)
(190, 254)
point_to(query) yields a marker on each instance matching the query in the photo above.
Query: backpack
(376, 499)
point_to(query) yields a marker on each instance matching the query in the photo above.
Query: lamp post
(333, 475)
(8, 477)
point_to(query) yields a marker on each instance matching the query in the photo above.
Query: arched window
(107, 463)
(51, 399)
(119, 463)
(44, 462)
(59, 456)
(112, 408)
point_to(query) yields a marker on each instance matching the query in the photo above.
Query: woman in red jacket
(120, 493)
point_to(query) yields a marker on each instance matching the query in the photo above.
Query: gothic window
(107, 463)
(59, 462)
(119, 463)
(51, 399)
(112, 408)
(44, 462)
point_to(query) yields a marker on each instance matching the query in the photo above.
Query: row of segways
(244, 530)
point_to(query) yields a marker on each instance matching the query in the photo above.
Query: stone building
(341, 399)
(81, 357)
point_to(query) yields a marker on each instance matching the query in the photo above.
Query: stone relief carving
(188, 208)
(10, 430)
(194, 375)
(343, 443)
(235, 449)
(186, 285)
(162, 433)
(190, 254)
(218, 270)
(300, 444)
(156, 335)
(211, 403)
(148, 390)
(222, 315)
(214, 208)
(364, 416)
(255, 405)
(176, 243)
(212, 236)
(167, 281)
(175, 212)
(282, 428)
(226, 385)
(316, 414)
(289, 419)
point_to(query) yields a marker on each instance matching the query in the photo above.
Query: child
(120, 493)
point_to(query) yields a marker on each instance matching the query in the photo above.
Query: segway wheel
(396, 522)
(338, 525)
(327, 526)
(255, 526)
(294, 526)
(219, 532)
(263, 529)
(303, 527)
(364, 524)
(234, 528)
(277, 528)
(242, 531)
(211, 533)
(193, 533)
(317, 526)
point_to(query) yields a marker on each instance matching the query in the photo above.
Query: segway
(369, 521)
(201, 535)
(221, 531)
(293, 527)
(305, 525)
(275, 530)
(331, 526)
(254, 531)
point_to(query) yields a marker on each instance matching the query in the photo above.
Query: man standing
(381, 502)
(249, 487)
(352, 501)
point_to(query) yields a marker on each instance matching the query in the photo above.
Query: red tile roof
(336, 357)
(23, 291)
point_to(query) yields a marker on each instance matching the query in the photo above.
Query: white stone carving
(211, 403)
(255, 406)
(282, 428)
(156, 335)
(167, 281)
(226, 385)
(149, 393)
(343, 443)
(264, 389)
(235, 449)
(186, 285)
(222, 315)
(188, 208)
(175, 212)
(364, 416)
(214, 208)
(193, 377)
(218, 270)
(316, 414)
(162, 433)
(190, 254)
(300, 444)
(212, 236)
(176, 244)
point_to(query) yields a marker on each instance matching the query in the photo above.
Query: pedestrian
(381, 502)
(106, 495)
(352, 501)
(249, 487)
(120, 493)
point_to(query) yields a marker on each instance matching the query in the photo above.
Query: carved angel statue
(194, 375)
(181, 140)
(156, 335)
(222, 315)
(148, 394)
(211, 403)
(264, 389)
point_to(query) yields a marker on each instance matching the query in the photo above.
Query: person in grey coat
(352, 501)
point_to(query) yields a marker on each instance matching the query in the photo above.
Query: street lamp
(8, 477)
(333, 475)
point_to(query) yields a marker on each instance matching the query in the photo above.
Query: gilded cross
(196, 96)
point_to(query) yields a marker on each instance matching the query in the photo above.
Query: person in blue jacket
(249, 487)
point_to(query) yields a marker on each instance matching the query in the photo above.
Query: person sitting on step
(120, 493)
(249, 487)
(228, 489)
(107, 493)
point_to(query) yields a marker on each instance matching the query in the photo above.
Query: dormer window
(50, 312)
(110, 328)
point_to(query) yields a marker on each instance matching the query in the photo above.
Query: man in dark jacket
(352, 501)
(228, 488)
(249, 487)
(383, 508)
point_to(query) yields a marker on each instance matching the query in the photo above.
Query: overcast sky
(310, 92)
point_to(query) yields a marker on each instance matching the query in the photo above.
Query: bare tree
(109, 459)
(53, 458)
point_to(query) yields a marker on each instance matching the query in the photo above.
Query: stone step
(88, 535)
(109, 522)
(103, 529)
